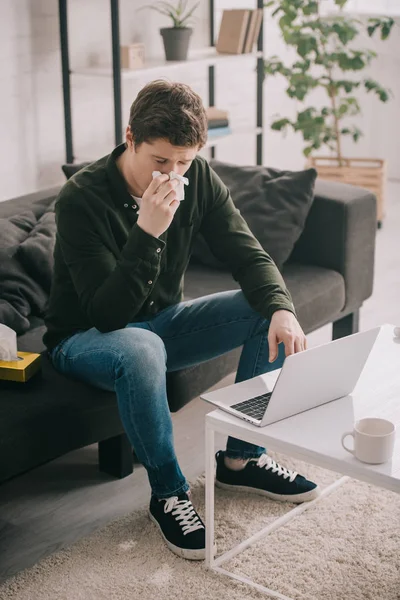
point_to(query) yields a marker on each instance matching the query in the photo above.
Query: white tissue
(180, 190)
(8, 343)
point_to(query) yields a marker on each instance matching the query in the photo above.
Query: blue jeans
(134, 361)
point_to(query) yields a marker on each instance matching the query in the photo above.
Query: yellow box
(20, 370)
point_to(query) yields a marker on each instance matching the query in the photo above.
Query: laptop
(307, 379)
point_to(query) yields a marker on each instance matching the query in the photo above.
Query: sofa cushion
(274, 203)
(318, 294)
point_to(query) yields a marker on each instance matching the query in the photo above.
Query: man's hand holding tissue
(159, 205)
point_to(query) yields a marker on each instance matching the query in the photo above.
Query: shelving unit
(207, 57)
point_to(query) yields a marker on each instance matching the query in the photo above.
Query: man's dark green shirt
(108, 272)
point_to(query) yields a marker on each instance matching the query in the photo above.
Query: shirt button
(151, 303)
(125, 206)
(134, 206)
(158, 250)
(150, 282)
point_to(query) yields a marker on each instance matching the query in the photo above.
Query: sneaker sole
(199, 554)
(295, 498)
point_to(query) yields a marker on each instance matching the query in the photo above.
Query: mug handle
(343, 444)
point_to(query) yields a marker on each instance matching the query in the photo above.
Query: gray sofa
(329, 274)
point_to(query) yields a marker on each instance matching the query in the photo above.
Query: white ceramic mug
(373, 440)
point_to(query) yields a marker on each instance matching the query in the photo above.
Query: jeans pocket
(55, 353)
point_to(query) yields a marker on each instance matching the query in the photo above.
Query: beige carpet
(346, 547)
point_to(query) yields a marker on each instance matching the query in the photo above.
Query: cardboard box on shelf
(132, 56)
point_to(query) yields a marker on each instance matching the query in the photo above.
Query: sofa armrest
(340, 234)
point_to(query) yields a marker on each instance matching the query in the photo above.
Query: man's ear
(129, 138)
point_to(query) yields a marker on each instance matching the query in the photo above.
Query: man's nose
(175, 168)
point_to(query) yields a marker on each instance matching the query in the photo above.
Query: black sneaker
(180, 525)
(264, 476)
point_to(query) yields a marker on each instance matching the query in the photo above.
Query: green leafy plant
(180, 14)
(325, 54)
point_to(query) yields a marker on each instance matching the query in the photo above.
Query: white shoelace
(266, 462)
(184, 513)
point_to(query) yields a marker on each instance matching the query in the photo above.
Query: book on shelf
(232, 31)
(216, 117)
(253, 30)
(219, 131)
(214, 123)
(213, 112)
(248, 38)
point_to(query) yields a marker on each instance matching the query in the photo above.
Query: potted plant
(325, 56)
(176, 38)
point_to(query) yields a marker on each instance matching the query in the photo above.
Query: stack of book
(218, 122)
(239, 30)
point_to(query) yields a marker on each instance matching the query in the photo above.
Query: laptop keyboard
(254, 407)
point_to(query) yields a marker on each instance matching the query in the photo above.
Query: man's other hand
(285, 328)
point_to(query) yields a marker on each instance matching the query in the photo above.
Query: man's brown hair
(171, 111)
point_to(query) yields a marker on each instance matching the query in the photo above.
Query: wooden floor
(63, 501)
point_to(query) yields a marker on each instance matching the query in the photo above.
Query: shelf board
(204, 57)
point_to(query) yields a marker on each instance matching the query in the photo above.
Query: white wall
(31, 107)
(30, 96)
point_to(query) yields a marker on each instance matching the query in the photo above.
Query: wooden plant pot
(369, 173)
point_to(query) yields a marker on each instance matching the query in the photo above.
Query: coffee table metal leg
(215, 564)
(209, 452)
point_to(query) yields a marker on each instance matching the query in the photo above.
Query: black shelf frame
(117, 83)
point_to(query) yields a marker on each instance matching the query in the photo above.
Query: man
(116, 318)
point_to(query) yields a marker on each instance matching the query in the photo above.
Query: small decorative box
(132, 56)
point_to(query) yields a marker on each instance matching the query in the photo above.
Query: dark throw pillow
(71, 169)
(274, 203)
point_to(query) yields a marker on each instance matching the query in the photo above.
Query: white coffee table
(315, 437)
